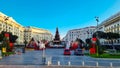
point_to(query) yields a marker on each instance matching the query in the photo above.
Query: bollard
(49, 63)
(69, 63)
(97, 64)
(58, 63)
(111, 65)
(83, 63)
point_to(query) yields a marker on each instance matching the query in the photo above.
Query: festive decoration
(56, 41)
(6, 34)
(4, 49)
(32, 44)
(74, 46)
(11, 45)
(93, 46)
(94, 40)
(93, 49)
(57, 36)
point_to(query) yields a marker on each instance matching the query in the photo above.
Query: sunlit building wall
(37, 33)
(82, 33)
(8, 24)
(111, 24)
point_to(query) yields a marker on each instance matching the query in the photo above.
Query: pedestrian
(39, 44)
(43, 45)
(68, 45)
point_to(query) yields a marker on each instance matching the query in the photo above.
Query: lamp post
(87, 37)
(97, 20)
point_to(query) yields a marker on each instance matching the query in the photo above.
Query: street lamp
(97, 20)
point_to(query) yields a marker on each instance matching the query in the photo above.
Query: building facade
(37, 33)
(8, 24)
(112, 24)
(82, 33)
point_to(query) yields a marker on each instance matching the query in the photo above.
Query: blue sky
(64, 14)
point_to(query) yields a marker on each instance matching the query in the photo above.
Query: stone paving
(34, 66)
(34, 58)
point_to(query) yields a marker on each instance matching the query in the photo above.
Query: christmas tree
(57, 36)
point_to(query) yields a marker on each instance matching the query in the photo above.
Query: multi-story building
(8, 24)
(82, 33)
(37, 33)
(112, 24)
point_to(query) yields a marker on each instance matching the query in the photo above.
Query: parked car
(67, 52)
(78, 52)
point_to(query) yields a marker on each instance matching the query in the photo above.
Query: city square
(54, 56)
(60, 34)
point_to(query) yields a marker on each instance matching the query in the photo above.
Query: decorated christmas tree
(57, 37)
